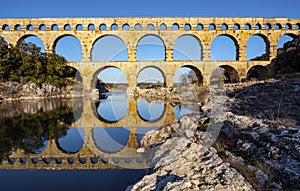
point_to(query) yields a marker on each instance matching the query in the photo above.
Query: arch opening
(199, 26)
(257, 72)
(175, 26)
(150, 27)
(187, 27)
(42, 27)
(91, 27)
(283, 40)
(224, 48)
(79, 27)
(150, 77)
(224, 74)
(125, 27)
(114, 26)
(163, 26)
(69, 47)
(236, 26)
(258, 48)
(212, 26)
(109, 48)
(187, 47)
(5, 27)
(186, 75)
(67, 27)
(224, 26)
(34, 40)
(247, 26)
(150, 47)
(137, 26)
(102, 27)
(54, 27)
(150, 112)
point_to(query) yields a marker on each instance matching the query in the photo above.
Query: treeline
(26, 63)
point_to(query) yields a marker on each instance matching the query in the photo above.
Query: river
(77, 144)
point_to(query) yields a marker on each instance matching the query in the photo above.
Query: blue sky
(153, 8)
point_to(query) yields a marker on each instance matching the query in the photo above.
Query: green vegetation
(26, 63)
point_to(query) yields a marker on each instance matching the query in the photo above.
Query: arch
(224, 26)
(258, 72)
(125, 27)
(69, 47)
(175, 26)
(199, 26)
(111, 75)
(150, 76)
(297, 26)
(224, 74)
(188, 74)
(258, 47)
(18, 27)
(247, 26)
(91, 27)
(268, 26)
(72, 142)
(187, 47)
(109, 48)
(54, 27)
(110, 140)
(5, 27)
(30, 27)
(284, 39)
(236, 26)
(150, 112)
(79, 27)
(32, 39)
(187, 27)
(137, 26)
(102, 27)
(277, 26)
(67, 27)
(150, 47)
(257, 26)
(163, 26)
(150, 27)
(288, 26)
(224, 47)
(114, 26)
(212, 26)
(42, 27)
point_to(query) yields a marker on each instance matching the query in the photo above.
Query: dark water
(29, 127)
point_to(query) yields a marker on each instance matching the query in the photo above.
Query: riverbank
(245, 137)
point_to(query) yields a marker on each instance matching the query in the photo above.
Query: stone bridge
(132, 30)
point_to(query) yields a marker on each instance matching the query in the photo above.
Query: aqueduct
(131, 30)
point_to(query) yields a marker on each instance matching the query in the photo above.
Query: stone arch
(236, 26)
(72, 51)
(235, 43)
(29, 27)
(159, 51)
(99, 70)
(188, 76)
(5, 27)
(22, 39)
(257, 26)
(224, 26)
(266, 54)
(284, 39)
(258, 72)
(116, 53)
(224, 74)
(150, 79)
(191, 43)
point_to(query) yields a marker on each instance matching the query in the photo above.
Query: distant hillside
(287, 60)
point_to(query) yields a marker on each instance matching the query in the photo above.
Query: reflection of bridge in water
(91, 156)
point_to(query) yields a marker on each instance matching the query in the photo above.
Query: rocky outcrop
(254, 149)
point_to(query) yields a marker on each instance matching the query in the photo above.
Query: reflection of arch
(258, 72)
(233, 39)
(108, 52)
(72, 142)
(146, 53)
(191, 43)
(110, 140)
(112, 109)
(153, 67)
(228, 75)
(146, 106)
(73, 52)
(197, 72)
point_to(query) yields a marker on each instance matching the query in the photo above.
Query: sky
(151, 8)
